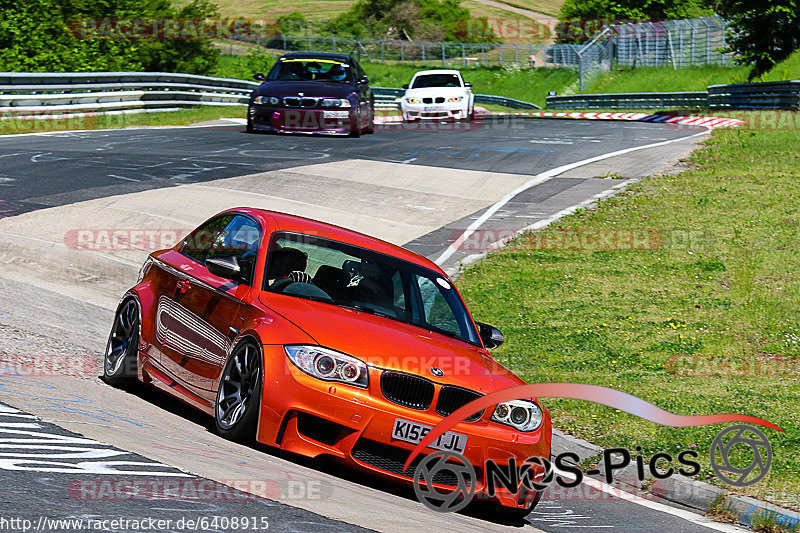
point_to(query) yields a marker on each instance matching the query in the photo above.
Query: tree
(422, 20)
(37, 36)
(582, 18)
(763, 33)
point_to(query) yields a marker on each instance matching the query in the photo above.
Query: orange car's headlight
(521, 415)
(329, 365)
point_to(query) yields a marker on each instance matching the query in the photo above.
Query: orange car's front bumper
(311, 417)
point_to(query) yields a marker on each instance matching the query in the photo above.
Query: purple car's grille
(452, 398)
(296, 101)
(407, 390)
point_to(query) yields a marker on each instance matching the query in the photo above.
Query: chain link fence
(672, 43)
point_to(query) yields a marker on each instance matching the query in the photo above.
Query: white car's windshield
(348, 276)
(436, 80)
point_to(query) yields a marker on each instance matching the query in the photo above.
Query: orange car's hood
(389, 344)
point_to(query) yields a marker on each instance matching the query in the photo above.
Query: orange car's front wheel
(239, 394)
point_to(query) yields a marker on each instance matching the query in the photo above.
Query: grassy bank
(720, 286)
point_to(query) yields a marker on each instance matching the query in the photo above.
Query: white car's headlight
(329, 365)
(522, 415)
(455, 98)
(335, 102)
(412, 100)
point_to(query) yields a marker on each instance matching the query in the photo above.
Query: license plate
(433, 108)
(413, 432)
(335, 114)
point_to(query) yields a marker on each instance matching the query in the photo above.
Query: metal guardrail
(767, 95)
(697, 100)
(111, 91)
(386, 96)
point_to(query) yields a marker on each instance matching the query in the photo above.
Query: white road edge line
(689, 516)
(454, 246)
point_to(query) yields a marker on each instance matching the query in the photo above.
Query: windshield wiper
(363, 308)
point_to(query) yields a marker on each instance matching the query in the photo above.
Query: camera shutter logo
(721, 455)
(460, 475)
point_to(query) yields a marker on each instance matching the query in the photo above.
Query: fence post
(423, 51)
(724, 45)
(580, 69)
(691, 59)
(501, 53)
(333, 41)
(482, 50)
(444, 55)
(230, 45)
(708, 41)
(308, 39)
(283, 36)
(516, 54)
(402, 51)
(463, 55)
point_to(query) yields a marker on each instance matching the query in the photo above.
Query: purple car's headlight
(263, 100)
(329, 365)
(335, 102)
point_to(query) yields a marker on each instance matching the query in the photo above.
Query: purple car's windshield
(310, 70)
(348, 276)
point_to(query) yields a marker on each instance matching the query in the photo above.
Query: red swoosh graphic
(578, 391)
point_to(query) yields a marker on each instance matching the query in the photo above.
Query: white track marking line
(689, 516)
(454, 246)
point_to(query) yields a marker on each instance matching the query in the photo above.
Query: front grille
(452, 398)
(439, 100)
(391, 459)
(427, 100)
(296, 101)
(407, 390)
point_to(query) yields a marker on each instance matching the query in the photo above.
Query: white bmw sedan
(437, 94)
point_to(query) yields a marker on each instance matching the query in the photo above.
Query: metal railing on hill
(769, 95)
(73, 92)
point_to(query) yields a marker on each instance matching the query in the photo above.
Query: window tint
(235, 235)
(435, 308)
(341, 274)
(436, 80)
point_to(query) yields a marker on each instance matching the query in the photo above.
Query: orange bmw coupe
(322, 341)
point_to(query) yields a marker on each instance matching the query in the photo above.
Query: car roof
(317, 55)
(298, 224)
(438, 71)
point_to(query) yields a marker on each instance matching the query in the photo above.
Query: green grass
(665, 79)
(183, 117)
(787, 70)
(725, 282)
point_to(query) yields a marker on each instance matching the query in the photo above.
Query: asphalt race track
(416, 187)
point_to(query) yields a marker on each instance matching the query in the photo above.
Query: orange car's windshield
(348, 276)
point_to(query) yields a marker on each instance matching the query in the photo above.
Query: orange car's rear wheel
(239, 394)
(119, 362)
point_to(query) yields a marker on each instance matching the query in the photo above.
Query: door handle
(184, 286)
